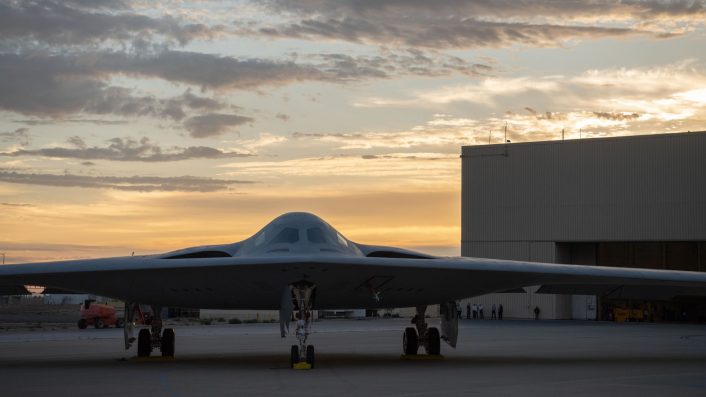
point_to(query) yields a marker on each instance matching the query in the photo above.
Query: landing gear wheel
(433, 342)
(310, 355)
(98, 323)
(410, 341)
(82, 324)
(295, 355)
(144, 343)
(302, 296)
(167, 346)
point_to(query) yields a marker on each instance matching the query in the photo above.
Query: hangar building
(637, 201)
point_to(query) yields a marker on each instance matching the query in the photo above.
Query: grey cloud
(449, 33)
(424, 137)
(497, 8)
(552, 116)
(55, 86)
(47, 86)
(470, 24)
(397, 156)
(196, 102)
(563, 116)
(616, 116)
(100, 4)
(130, 183)
(20, 135)
(221, 72)
(76, 141)
(17, 205)
(323, 135)
(205, 70)
(409, 62)
(213, 124)
(38, 86)
(540, 116)
(58, 85)
(84, 22)
(69, 120)
(126, 149)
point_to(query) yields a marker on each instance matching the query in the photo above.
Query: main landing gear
(302, 296)
(148, 339)
(421, 335)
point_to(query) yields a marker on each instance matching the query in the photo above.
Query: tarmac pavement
(362, 358)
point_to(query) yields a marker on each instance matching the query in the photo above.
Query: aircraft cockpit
(298, 233)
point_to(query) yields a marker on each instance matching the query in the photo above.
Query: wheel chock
(421, 357)
(301, 365)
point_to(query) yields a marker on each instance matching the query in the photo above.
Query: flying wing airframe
(298, 263)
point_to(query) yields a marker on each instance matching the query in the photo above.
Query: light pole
(3, 258)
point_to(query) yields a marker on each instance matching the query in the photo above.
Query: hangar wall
(526, 201)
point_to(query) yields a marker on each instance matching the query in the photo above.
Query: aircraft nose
(299, 233)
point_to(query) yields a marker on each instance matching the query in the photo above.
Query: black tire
(310, 357)
(433, 341)
(294, 357)
(168, 341)
(410, 341)
(82, 323)
(98, 323)
(144, 343)
(120, 323)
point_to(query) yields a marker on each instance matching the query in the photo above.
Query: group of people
(476, 311)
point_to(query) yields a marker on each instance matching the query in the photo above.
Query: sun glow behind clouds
(698, 97)
(147, 223)
(228, 114)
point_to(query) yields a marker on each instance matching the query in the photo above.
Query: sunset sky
(148, 126)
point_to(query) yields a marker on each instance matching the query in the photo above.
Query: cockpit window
(287, 235)
(260, 239)
(341, 240)
(315, 235)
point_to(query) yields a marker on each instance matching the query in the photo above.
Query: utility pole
(506, 132)
(490, 133)
(3, 258)
(562, 134)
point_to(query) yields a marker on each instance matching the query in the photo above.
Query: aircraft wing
(341, 280)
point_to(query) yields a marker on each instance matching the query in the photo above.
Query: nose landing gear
(302, 355)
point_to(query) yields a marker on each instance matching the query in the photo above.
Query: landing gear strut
(421, 335)
(148, 339)
(302, 295)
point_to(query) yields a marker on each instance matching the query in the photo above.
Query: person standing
(536, 312)
(500, 312)
(480, 311)
(468, 311)
(475, 311)
(492, 313)
(458, 310)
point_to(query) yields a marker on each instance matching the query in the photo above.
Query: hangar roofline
(591, 139)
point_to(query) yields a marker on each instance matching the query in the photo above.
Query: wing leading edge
(343, 281)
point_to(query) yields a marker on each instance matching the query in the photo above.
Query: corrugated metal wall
(519, 199)
(613, 189)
